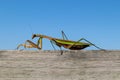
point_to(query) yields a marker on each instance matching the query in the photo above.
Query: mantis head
(33, 36)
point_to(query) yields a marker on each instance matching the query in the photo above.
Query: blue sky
(96, 20)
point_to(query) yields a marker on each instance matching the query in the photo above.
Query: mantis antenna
(31, 31)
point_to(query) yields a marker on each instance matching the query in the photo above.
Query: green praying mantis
(68, 44)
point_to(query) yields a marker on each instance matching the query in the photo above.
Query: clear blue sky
(96, 20)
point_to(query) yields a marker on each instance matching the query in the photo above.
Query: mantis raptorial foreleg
(28, 44)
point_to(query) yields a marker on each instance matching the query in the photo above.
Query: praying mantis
(68, 44)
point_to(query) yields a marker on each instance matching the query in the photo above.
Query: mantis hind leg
(91, 43)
